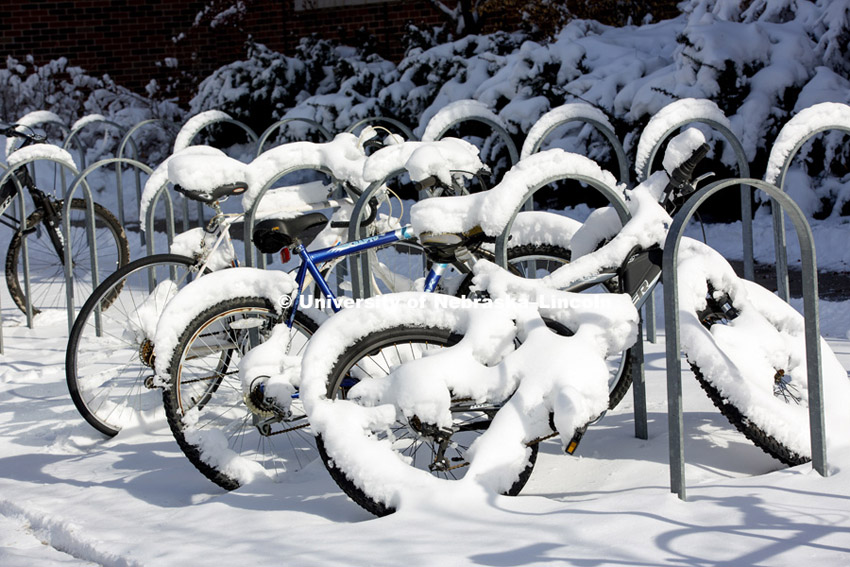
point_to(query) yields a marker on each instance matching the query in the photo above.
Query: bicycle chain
(297, 427)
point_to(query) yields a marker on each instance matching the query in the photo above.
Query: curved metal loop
(251, 214)
(169, 217)
(614, 197)
(404, 128)
(671, 318)
(603, 128)
(24, 250)
(779, 241)
(359, 270)
(251, 134)
(80, 179)
(743, 170)
(73, 135)
(277, 125)
(128, 139)
(476, 113)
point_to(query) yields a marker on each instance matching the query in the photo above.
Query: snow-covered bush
(261, 89)
(55, 86)
(71, 94)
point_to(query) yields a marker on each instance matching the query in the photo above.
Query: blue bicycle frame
(309, 261)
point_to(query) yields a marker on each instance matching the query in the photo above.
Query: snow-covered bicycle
(410, 393)
(41, 232)
(109, 356)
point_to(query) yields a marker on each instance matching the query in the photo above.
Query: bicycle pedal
(573, 444)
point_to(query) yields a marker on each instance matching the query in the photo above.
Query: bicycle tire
(718, 312)
(555, 256)
(469, 421)
(209, 416)
(47, 272)
(106, 370)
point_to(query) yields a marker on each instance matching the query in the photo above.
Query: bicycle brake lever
(701, 178)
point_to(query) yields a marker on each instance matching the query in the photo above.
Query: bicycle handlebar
(10, 131)
(679, 186)
(681, 176)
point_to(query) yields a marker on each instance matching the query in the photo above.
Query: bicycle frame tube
(434, 276)
(309, 261)
(368, 243)
(640, 274)
(222, 227)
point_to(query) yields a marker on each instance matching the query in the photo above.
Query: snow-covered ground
(70, 497)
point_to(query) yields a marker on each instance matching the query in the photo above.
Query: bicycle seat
(207, 178)
(273, 235)
(213, 195)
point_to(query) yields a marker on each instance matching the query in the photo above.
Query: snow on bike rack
(125, 141)
(807, 124)
(575, 112)
(461, 111)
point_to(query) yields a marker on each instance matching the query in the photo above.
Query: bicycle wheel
(229, 437)
(109, 358)
(441, 452)
(759, 380)
(46, 268)
(539, 260)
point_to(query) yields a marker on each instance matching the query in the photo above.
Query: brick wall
(130, 40)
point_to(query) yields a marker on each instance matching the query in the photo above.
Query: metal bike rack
(187, 135)
(475, 111)
(169, 217)
(575, 112)
(90, 226)
(360, 271)
(746, 205)
(277, 125)
(72, 137)
(119, 181)
(776, 211)
(671, 318)
(404, 128)
(9, 174)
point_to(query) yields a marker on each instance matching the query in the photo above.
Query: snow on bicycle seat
(207, 178)
(272, 235)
